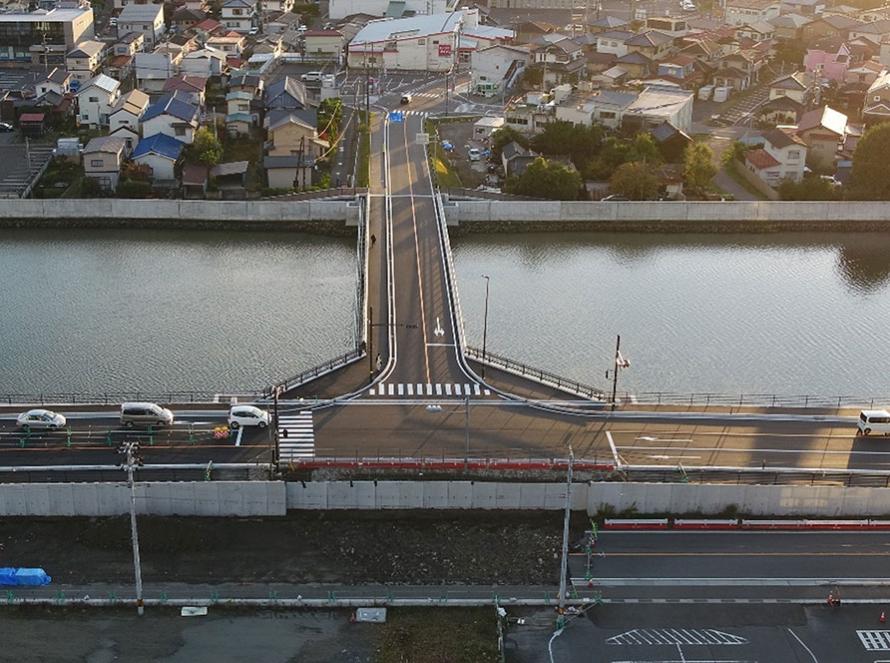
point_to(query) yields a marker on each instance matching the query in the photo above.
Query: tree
(869, 180)
(578, 142)
(206, 147)
(546, 179)
(330, 112)
(698, 166)
(635, 181)
(735, 152)
(809, 188)
(644, 148)
(502, 137)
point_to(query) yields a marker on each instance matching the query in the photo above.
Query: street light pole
(131, 449)
(467, 432)
(371, 342)
(564, 562)
(615, 370)
(485, 324)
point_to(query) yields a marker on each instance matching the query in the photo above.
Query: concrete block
(358, 496)
(388, 495)
(322, 210)
(532, 496)
(435, 494)
(588, 211)
(38, 502)
(62, 499)
(86, 500)
(410, 494)
(507, 495)
(484, 495)
(555, 496)
(313, 496)
(460, 495)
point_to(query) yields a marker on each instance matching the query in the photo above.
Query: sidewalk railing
(751, 400)
(115, 397)
(537, 374)
(316, 372)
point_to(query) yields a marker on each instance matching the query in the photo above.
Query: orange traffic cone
(883, 618)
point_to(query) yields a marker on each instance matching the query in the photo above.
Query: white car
(40, 419)
(474, 154)
(248, 415)
(311, 77)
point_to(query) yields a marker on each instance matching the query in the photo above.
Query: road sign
(423, 139)
(444, 50)
(396, 116)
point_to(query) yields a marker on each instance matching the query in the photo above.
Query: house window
(95, 100)
(421, 42)
(793, 154)
(180, 131)
(95, 163)
(607, 115)
(877, 97)
(85, 116)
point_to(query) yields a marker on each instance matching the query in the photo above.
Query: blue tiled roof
(174, 105)
(160, 144)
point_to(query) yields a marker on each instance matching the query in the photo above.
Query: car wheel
(867, 431)
(234, 425)
(26, 428)
(129, 424)
(262, 424)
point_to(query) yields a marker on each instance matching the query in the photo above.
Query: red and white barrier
(636, 523)
(747, 524)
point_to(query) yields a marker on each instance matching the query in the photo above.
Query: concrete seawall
(275, 498)
(740, 216)
(323, 216)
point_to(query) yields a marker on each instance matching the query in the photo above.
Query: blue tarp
(23, 577)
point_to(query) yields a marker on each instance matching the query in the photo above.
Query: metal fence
(761, 400)
(316, 372)
(114, 397)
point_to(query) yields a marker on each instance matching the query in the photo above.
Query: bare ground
(335, 547)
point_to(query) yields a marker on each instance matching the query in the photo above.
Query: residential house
(653, 44)
(128, 111)
(496, 68)
(739, 12)
(834, 26)
(153, 70)
(788, 27)
(675, 26)
(282, 6)
(764, 165)
(789, 150)
(828, 65)
(194, 180)
(340, 9)
(269, 45)
(242, 113)
(608, 23)
(32, 125)
(129, 135)
(147, 20)
(188, 87)
(531, 114)
(672, 142)
(884, 52)
(756, 31)
(561, 61)
(95, 101)
(58, 80)
(286, 94)
(290, 172)
(130, 44)
(289, 134)
(185, 18)
(204, 62)
(614, 42)
(596, 63)
(873, 31)
(823, 130)
(102, 159)
(515, 159)
(238, 15)
(797, 86)
(161, 153)
(246, 82)
(635, 65)
(207, 28)
(323, 44)
(528, 32)
(740, 70)
(864, 73)
(876, 107)
(657, 104)
(803, 7)
(780, 110)
(605, 107)
(230, 178)
(172, 115)
(231, 43)
(83, 61)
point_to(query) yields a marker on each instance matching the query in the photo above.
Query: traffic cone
(883, 618)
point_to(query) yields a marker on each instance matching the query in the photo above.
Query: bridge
(413, 391)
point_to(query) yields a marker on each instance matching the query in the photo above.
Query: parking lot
(706, 633)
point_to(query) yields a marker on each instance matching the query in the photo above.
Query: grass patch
(454, 635)
(364, 151)
(445, 175)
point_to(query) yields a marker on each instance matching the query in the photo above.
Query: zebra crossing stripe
(437, 389)
(401, 389)
(448, 389)
(875, 640)
(410, 389)
(296, 436)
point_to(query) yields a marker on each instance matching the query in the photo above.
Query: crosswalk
(426, 389)
(414, 112)
(676, 636)
(296, 436)
(875, 640)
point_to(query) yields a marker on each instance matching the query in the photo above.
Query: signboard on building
(444, 50)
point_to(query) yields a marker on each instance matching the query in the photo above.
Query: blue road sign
(396, 116)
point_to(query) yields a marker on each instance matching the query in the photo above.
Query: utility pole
(276, 390)
(467, 432)
(564, 562)
(131, 451)
(485, 324)
(620, 362)
(371, 343)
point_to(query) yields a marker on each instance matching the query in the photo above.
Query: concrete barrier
(185, 498)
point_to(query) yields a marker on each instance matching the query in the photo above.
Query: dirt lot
(335, 547)
(461, 134)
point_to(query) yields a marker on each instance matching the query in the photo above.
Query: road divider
(722, 524)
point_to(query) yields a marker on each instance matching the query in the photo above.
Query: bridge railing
(315, 372)
(540, 375)
(751, 400)
(115, 397)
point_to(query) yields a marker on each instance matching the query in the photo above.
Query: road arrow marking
(439, 331)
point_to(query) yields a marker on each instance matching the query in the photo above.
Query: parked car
(406, 98)
(248, 415)
(474, 154)
(40, 419)
(145, 414)
(447, 145)
(253, 31)
(311, 77)
(6, 127)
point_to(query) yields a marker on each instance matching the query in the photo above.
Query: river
(96, 311)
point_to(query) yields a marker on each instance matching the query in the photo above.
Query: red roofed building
(764, 165)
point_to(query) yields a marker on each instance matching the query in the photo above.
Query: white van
(145, 414)
(874, 421)
(311, 77)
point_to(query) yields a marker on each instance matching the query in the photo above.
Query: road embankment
(687, 217)
(330, 217)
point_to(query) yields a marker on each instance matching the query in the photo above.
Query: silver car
(40, 420)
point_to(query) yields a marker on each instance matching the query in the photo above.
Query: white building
(172, 116)
(95, 100)
(145, 19)
(494, 69)
(205, 62)
(128, 111)
(740, 12)
(420, 43)
(153, 69)
(662, 103)
(238, 15)
(606, 107)
(342, 8)
(789, 151)
(613, 42)
(84, 60)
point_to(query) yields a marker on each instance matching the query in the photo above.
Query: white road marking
(668, 636)
(614, 450)
(875, 640)
(837, 452)
(802, 644)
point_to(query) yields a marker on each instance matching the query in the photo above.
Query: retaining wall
(739, 216)
(187, 498)
(202, 213)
